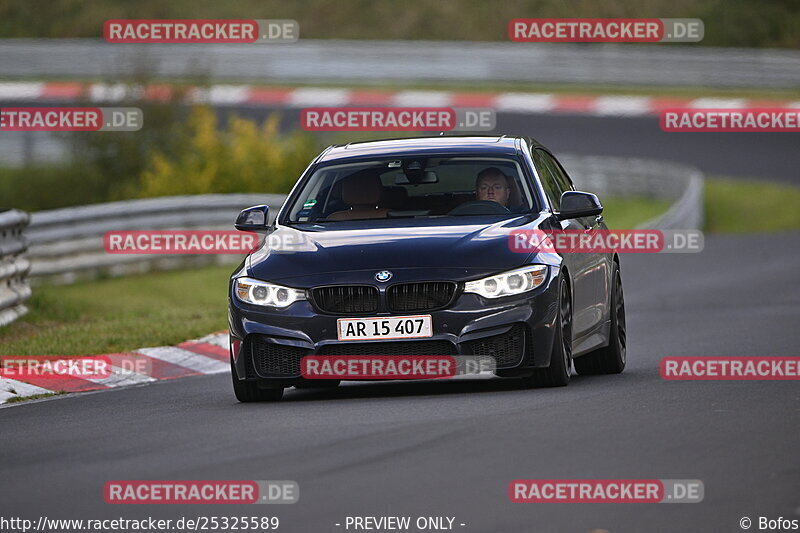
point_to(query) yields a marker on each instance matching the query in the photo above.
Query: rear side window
(549, 184)
(562, 180)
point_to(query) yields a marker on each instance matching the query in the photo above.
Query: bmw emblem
(383, 275)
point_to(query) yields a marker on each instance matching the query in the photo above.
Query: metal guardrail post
(14, 266)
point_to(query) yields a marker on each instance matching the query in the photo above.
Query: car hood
(410, 248)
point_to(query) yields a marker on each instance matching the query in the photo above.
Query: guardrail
(14, 266)
(318, 61)
(621, 176)
(66, 245)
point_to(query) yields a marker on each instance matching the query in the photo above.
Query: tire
(248, 391)
(610, 359)
(557, 374)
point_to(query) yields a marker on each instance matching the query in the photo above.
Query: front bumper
(267, 344)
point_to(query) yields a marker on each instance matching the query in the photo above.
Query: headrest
(362, 188)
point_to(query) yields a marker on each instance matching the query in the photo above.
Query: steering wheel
(479, 207)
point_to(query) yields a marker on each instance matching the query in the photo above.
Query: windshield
(412, 188)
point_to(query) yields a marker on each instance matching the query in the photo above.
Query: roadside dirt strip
(208, 355)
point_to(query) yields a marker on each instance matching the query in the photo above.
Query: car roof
(413, 146)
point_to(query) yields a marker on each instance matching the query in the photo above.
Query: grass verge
(19, 399)
(750, 206)
(627, 213)
(120, 314)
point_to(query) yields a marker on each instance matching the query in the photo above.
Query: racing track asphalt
(452, 448)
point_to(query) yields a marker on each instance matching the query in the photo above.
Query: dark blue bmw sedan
(401, 248)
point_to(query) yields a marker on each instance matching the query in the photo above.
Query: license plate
(395, 327)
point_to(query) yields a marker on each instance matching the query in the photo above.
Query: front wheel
(248, 391)
(611, 359)
(557, 374)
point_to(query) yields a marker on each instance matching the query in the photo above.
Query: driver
(492, 185)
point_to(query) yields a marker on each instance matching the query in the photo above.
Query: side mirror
(254, 218)
(576, 204)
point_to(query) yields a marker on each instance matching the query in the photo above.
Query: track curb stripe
(208, 355)
(209, 350)
(152, 367)
(63, 384)
(19, 388)
(231, 95)
(192, 361)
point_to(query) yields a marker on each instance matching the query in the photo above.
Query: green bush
(121, 157)
(169, 156)
(242, 157)
(102, 166)
(35, 188)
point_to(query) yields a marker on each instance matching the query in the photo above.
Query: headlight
(509, 283)
(257, 292)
